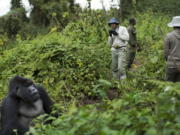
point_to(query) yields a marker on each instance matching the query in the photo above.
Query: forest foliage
(73, 63)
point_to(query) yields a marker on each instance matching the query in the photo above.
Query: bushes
(147, 112)
(75, 65)
(58, 63)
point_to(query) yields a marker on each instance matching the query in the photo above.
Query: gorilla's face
(28, 93)
(33, 92)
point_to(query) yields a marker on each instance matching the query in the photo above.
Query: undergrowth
(74, 66)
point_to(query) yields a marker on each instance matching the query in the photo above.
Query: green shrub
(74, 66)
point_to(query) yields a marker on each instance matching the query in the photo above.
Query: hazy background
(95, 4)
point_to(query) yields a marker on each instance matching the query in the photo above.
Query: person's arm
(166, 47)
(110, 41)
(123, 34)
(133, 40)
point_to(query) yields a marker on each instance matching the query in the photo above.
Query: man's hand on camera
(112, 32)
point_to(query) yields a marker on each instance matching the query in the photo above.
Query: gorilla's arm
(10, 117)
(47, 103)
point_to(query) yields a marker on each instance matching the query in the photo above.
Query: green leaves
(74, 66)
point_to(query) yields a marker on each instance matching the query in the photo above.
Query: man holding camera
(118, 41)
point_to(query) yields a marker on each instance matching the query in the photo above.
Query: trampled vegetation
(74, 66)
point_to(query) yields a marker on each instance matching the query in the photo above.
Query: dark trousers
(172, 74)
(132, 55)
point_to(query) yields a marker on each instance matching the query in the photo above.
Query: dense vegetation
(74, 65)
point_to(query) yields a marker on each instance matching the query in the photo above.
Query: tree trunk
(15, 4)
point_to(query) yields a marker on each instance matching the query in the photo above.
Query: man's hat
(113, 21)
(175, 22)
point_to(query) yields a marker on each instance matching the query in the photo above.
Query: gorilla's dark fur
(25, 100)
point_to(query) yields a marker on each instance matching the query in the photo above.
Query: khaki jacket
(121, 40)
(172, 49)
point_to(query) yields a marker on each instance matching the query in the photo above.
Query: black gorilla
(24, 102)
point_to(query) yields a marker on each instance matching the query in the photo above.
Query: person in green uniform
(133, 46)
